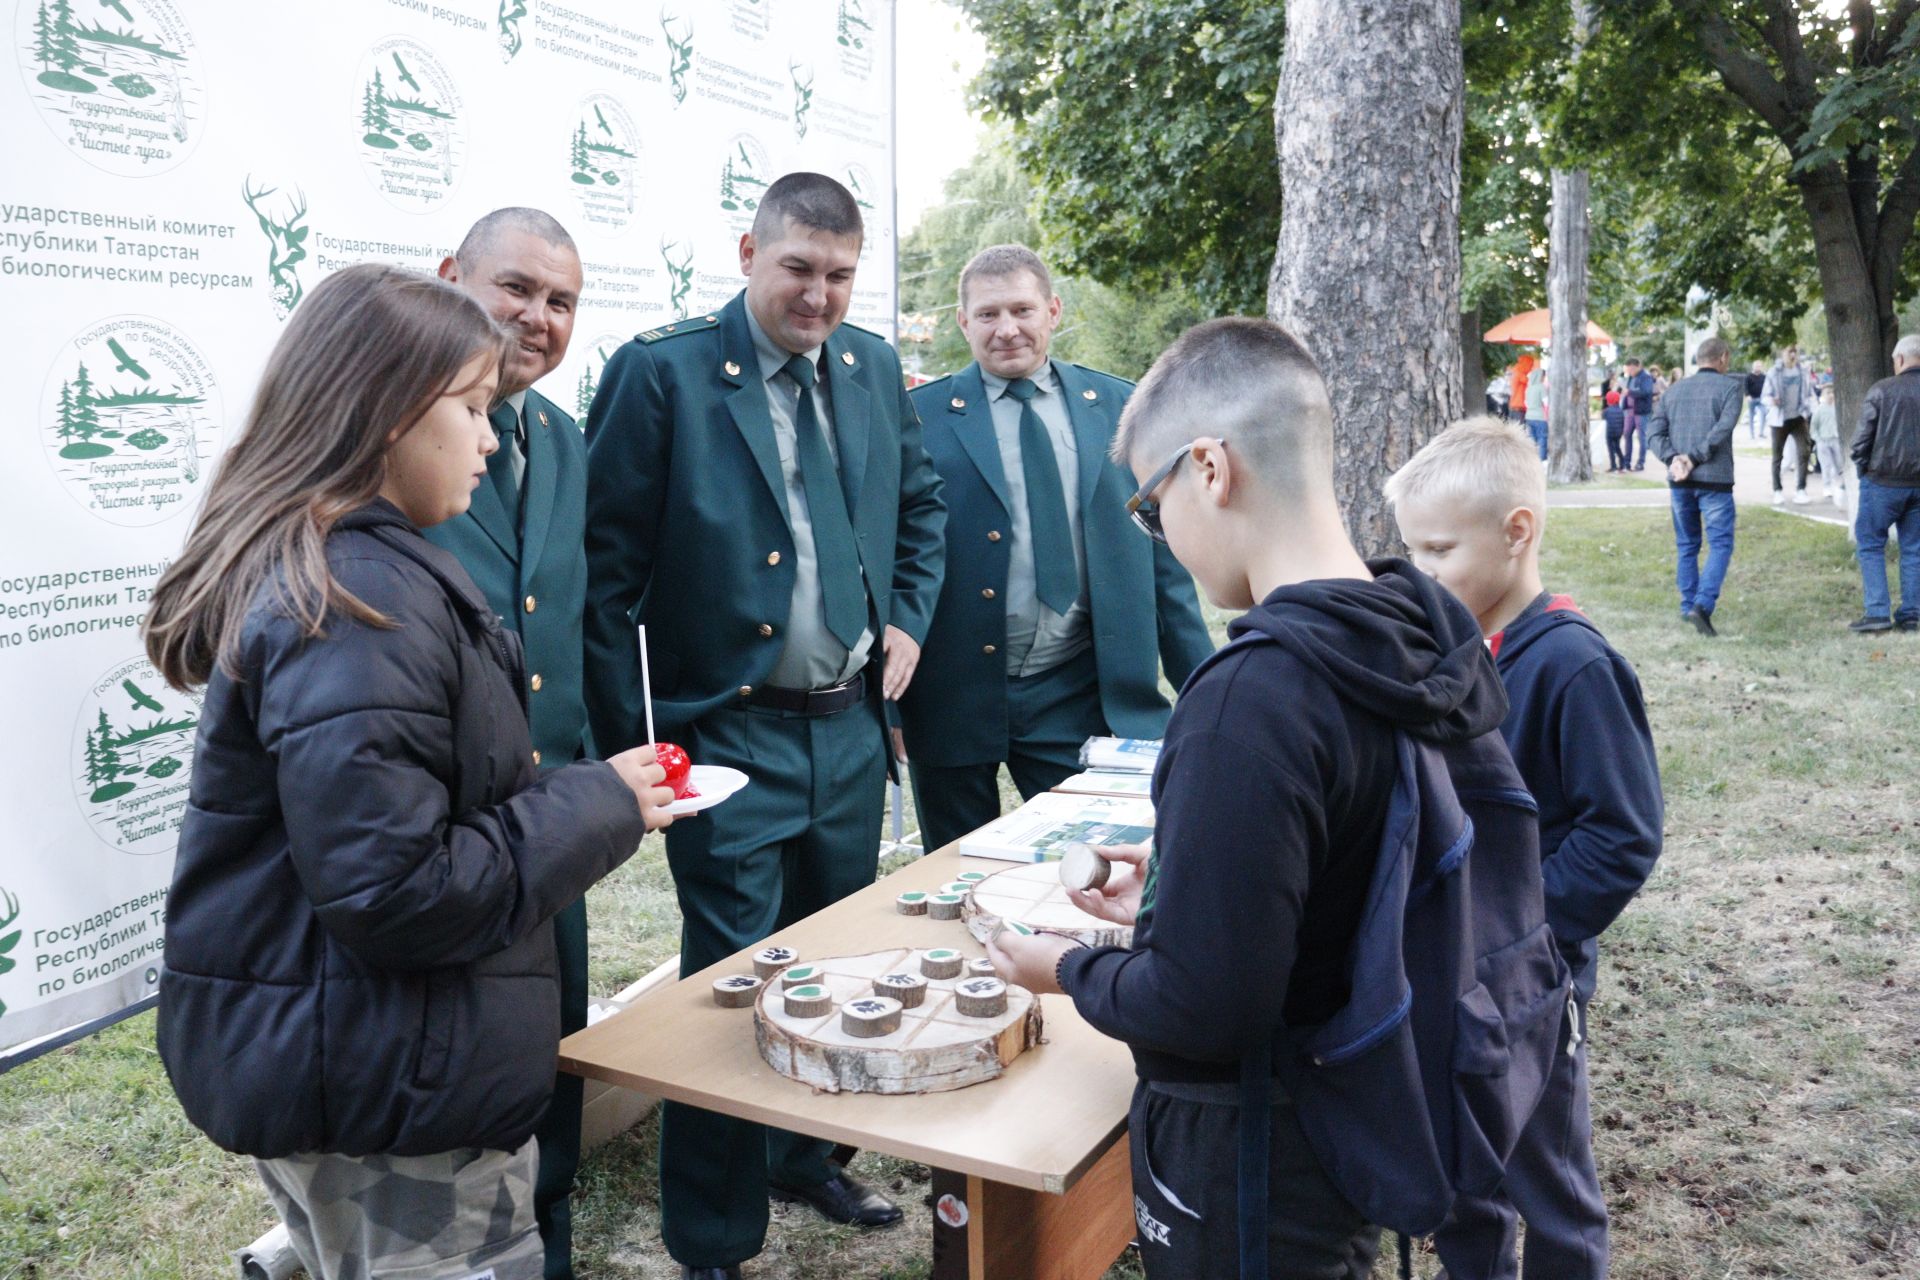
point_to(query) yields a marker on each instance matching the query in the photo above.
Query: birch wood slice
(1032, 895)
(936, 1048)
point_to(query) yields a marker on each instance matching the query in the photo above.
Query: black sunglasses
(1141, 506)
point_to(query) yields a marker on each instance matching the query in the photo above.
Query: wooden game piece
(810, 1000)
(910, 989)
(940, 963)
(933, 1047)
(1031, 894)
(1082, 867)
(770, 960)
(799, 975)
(981, 968)
(870, 1016)
(736, 990)
(981, 997)
(911, 904)
(956, 886)
(971, 877)
(946, 906)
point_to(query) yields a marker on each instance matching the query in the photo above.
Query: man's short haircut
(1908, 348)
(810, 200)
(535, 222)
(1479, 465)
(1712, 351)
(996, 262)
(1244, 380)
(1633, 360)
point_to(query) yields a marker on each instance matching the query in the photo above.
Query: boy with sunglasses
(1270, 795)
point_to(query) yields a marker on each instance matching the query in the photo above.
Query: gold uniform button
(765, 628)
(958, 403)
(531, 604)
(746, 690)
(987, 594)
(986, 648)
(535, 682)
(773, 557)
(993, 535)
(536, 757)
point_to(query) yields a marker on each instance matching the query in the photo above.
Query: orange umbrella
(1531, 328)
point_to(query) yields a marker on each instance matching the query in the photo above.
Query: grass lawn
(1756, 1037)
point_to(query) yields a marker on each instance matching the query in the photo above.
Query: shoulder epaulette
(1101, 373)
(678, 328)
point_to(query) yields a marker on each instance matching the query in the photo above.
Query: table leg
(984, 1230)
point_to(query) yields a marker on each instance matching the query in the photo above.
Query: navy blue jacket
(1270, 795)
(1144, 611)
(1577, 727)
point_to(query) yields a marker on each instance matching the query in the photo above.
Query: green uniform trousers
(1049, 715)
(559, 1131)
(803, 834)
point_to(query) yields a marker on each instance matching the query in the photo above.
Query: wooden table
(1035, 1161)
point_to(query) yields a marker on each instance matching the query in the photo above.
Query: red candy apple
(674, 760)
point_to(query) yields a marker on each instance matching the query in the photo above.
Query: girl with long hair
(361, 987)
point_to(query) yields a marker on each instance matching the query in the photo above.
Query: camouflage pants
(458, 1215)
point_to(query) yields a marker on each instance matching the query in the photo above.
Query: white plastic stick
(646, 683)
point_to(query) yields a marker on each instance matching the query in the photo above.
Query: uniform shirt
(813, 657)
(1039, 639)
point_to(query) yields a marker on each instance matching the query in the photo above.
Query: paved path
(1752, 483)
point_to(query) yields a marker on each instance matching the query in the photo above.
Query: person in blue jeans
(1537, 407)
(1639, 407)
(1691, 431)
(1886, 453)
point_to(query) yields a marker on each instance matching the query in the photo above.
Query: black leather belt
(811, 702)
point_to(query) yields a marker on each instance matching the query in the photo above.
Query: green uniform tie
(843, 591)
(1056, 580)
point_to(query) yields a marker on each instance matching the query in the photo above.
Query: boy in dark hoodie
(1270, 794)
(1472, 507)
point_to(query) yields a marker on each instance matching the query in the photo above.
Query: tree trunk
(1861, 327)
(1570, 451)
(1473, 366)
(1367, 269)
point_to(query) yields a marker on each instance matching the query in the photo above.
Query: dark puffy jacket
(357, 955)
(1886, 448)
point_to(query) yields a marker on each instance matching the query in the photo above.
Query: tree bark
(1861, 328)
(1367, 269)
(1473, 366)
(1569, 448)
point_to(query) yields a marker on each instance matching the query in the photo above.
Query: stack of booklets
(1036, 830)
(1120, 755)
(1102, 782)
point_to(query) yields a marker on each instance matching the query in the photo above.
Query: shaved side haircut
(811, 200)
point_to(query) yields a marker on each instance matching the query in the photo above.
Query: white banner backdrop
(177, 174)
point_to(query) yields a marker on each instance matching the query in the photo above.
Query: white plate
(714, 782)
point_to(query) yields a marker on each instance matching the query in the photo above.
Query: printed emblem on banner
(750, 18)
(130, 419)
(507, 27)
(599, 351)
(121, 82)
(801, 74)
(744, 174)
(604, 161)
(853, 33)
(9, 912)
(133, 757)
(279, 214)
(679, 34)
(677, 256)
(410, 125)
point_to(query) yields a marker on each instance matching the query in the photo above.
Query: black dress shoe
(841, 1199)
(709, 1273)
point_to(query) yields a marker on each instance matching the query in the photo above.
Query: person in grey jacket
(1886, 453)
(1788, 395)
(1692, 432)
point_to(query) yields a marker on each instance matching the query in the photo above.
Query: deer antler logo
(8, 941)
(285, 240)
(679, 272)
(679, 53)
(802, 97)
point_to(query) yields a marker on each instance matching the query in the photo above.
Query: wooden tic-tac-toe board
(935, 1048)
(1031, 894)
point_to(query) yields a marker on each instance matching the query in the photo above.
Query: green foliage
(1148, 128)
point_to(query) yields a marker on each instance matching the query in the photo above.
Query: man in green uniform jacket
(1055, 617)
(760, 499)
(522, 542)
